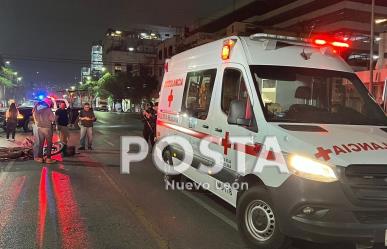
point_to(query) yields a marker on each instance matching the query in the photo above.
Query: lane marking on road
(139, 213)
(4, 173)
(136, 211)
(113, 126)
(109, 143)
(102, 121)
(212, 210)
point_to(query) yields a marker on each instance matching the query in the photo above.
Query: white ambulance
(330, 130)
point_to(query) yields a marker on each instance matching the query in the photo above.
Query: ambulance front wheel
(257, 221)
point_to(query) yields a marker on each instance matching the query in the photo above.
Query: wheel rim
(167, 159)
(56, 149)
(260, 220)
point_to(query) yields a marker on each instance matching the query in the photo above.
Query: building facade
(134, 51)
(345, 19)
(96, 68)
(85, 73)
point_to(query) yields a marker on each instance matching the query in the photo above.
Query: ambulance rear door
(196, 106)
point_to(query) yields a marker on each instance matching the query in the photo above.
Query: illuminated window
(198, 92)
(118, 68)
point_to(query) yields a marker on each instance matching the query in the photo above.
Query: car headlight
(307, 168)
(20, 116)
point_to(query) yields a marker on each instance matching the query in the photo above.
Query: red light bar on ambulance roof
(228, 45)
(320, 42)
(340, 44)
(330, 42)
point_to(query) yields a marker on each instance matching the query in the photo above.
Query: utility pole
(372, 46)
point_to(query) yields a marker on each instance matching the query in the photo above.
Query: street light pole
(372, 46)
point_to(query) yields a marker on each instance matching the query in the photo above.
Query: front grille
(366, 182)
(374, 217)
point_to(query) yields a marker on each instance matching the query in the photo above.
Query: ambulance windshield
(304, 95)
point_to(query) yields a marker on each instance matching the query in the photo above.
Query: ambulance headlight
(313, 170)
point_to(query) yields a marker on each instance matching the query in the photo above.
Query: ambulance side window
(234, 88)
(198, 92)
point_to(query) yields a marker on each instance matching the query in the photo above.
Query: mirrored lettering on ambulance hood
(337, 144)
(305, 95)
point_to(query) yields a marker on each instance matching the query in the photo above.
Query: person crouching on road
(62, 121)
(11, 121)
(87, 118)
(44, 118)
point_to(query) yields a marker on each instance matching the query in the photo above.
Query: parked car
(102, 105)
(25, 120)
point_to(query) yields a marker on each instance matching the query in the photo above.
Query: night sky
(33, 30)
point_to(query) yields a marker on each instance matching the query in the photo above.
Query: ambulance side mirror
(237, 112)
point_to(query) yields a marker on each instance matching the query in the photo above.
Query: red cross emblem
(323, 153)
(226, 143)
(170, 98)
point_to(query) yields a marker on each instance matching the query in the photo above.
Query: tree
(116, 85)
(121, 86)
(7, 75)
(142, 87)
(99, 87)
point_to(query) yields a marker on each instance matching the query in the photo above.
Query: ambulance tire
(257, 223)
(167, 157)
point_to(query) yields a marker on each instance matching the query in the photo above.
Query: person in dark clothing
(11, 121)
(87, 118)
(62, 121)
(149, 119)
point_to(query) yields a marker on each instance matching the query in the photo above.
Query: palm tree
(7, 78)
(7, 75)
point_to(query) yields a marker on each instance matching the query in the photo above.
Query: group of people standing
(44, 122)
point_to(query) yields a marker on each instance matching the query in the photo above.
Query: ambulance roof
(260, 51)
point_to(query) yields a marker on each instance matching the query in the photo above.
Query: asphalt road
(84, 202)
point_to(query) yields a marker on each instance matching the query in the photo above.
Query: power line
(77, 61)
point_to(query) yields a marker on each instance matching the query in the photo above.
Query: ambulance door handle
(205, 126)
(218, 130)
